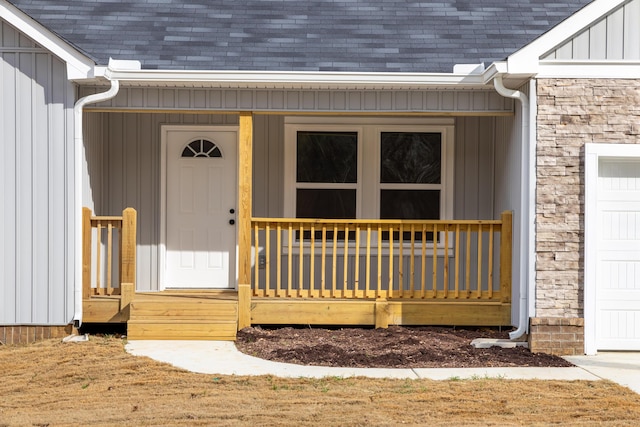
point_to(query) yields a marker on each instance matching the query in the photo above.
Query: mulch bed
(395, 347)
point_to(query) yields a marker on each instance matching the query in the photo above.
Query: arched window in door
(201, 148)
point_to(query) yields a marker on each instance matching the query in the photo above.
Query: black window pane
(330, 157)
(410, 204)
(410, 157)
(323, 203)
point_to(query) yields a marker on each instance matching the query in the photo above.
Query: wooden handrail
(121, 229)
(382, 259)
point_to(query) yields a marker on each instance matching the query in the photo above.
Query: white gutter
(286, 79)
(526, 222)
(78, 145)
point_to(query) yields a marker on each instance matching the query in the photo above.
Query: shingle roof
(300, 35)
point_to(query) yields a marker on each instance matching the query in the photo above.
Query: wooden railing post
(128, 246)
(86, 252)
(506, 255)
(245, 155)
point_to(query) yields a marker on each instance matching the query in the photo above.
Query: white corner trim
(526, 59)
(593, 153)
(79, 66)
(589, 69)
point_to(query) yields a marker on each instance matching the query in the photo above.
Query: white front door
(200, 243)
(618, 255)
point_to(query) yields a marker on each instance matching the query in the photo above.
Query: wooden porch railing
(382, 259)
(114, 239)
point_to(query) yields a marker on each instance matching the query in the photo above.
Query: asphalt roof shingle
(297, 35)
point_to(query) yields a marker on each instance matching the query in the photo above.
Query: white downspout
(78, 145)
(526, 219)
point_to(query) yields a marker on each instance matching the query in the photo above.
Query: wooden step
(181, 330)
(188, 316)
(184, 310)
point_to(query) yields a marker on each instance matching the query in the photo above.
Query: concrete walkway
(222, 357)
(620, 367)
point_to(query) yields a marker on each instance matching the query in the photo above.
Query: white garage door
(618, 255)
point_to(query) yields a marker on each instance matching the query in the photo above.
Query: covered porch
(286, 268)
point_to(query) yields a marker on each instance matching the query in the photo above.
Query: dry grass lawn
(98, 383)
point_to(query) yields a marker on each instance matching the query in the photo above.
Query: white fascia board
(79, 66)
(526, 60)
(283, 79)
(589, 69)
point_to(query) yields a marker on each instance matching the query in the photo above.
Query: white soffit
(294, 80)
(79, 66)
(527, 59)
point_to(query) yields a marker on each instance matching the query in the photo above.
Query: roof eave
(294, 80)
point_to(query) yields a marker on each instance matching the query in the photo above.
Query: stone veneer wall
(571, 113)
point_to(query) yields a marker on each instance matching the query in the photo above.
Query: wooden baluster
(367, 265)
(468, 263)
(434, 285)
(312, 263)
(290, 261)
(323, 262)
(345, 263)
(267, 263)
(256, 264)
(301, 262)
(390, 284)
(457, 262)
(479, 280)
(401, 261)
(445, 264)
(334, 262)
(412, 261)
(98, 289)
(356, 267)
(379, 284)
(423, 281)
(109, 266)
(279, 260)
(490, 272)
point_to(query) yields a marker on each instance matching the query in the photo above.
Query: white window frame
(290, 176)
(368, 186)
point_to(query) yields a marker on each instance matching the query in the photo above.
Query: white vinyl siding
(615, 37)
(36, 184)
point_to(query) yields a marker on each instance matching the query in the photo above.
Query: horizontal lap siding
(36, 181)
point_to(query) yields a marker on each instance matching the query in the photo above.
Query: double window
(369, 170)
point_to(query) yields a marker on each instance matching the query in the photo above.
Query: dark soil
(395, 347)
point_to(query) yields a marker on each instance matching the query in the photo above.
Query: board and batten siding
(123, 154)
(123, 170)
(614, 37)
(36, 184)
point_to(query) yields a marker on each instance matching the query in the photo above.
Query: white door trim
(162, 252)
(593, 153)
